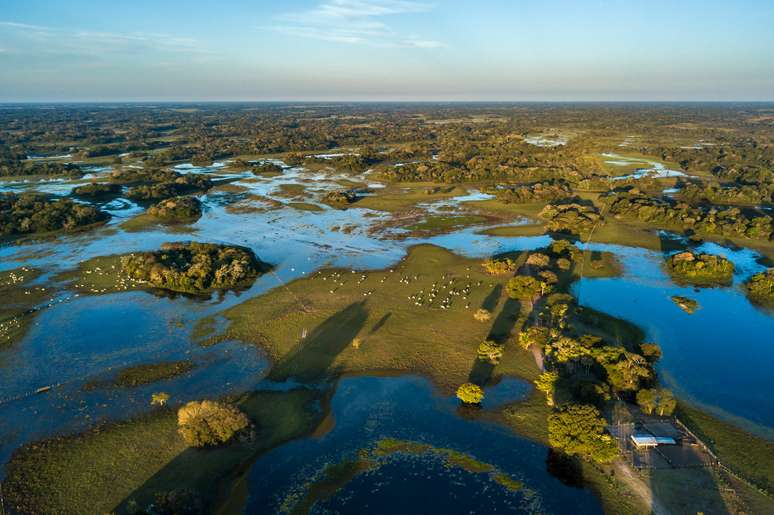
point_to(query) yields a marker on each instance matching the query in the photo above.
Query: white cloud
(355, 22)
(40, 41)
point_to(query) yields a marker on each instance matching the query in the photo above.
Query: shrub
(537, 259)
(525, 287)
(209, 423)
(482, 315)
(499, 266)
(537, 336)
(490, 351)
(470, 393)
(579, 429)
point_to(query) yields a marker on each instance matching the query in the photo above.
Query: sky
(488, 50)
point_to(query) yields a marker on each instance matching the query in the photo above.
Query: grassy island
(700, 269)
(30, 213)
(760, 288)
(194, 267)
(97, 190)
(686, 304)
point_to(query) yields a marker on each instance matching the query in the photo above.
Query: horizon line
(391, 101)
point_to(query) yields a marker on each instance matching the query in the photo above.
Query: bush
(209, 423)
(579, 429)
(537, 336)
(499, 266)
(482, 315)
(490, 351)
(525, 287)
(470, 393)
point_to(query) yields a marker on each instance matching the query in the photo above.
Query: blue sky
(386, 50)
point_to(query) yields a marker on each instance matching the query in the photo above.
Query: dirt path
(640, 488)
(538, 355)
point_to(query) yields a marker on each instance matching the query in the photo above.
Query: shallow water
(367, 409)
(719, 356)
(653, 169)
(85, 337)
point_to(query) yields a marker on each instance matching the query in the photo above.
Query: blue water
(719, 356)
(367, 409)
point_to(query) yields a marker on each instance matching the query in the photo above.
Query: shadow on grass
(311, 359)
(491, 300)
(481, 371)
(378, 325)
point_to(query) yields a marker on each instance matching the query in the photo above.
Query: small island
(700, 269)
(340, 199)
(177, 209)
(30, 213)
(97, 190)
(760, 288)
(686, 304)
(194, 267)
(267, 170)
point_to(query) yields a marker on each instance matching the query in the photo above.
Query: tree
(209, 422)
(579, 429)
(651, 400)
(525, 287)
(651, 351)
(470, 393)
(546, 383)
(647, 400)
(666, 403)
(490, 351)
(535, 335)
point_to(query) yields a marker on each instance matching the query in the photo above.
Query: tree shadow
(378, 325)
(505, 321)
(491, 300)
(311, 359)
(481, 371)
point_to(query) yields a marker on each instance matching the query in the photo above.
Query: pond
(366, 410)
